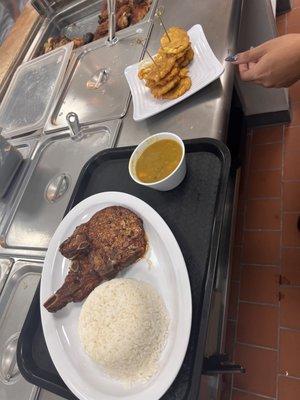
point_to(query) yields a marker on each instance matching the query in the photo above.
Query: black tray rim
(193, 393)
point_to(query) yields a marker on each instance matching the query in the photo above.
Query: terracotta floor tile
(261, 247)
(291, 196)
(280, 17)
(293, 28)
(230, 338)
(236, 263)
(241, 205)
(293, 17)
(243, 180)
(239, 228)
(263, 214)
(291, 234)
(238, 395)
(267, 156)
(261, 368)
(295, 112)
(296, 3)
(291, 265)
(264, 184)
(294, 92)
(289, 353)
(288, 388)
(233, 300)
(226, 383)
(292, 138)
(258, 325)
(267, 134)
(292, 165)
(259, 284)
(289, 307)
(281, 27)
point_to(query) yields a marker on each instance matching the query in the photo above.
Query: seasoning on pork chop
(111, 240)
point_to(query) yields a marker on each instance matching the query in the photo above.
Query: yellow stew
(158, 160)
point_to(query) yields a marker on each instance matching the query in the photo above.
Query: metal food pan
(83, 14)
(14, 304)
(54, 169)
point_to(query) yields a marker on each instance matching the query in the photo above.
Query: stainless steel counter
(205, 114)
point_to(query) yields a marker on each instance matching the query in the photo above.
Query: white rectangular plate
(204, 69)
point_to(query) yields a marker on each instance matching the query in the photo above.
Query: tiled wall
(263, 331)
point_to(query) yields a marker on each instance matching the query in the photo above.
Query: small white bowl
(170, 181)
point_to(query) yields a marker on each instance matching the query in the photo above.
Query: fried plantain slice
(159, 91)
(183, 72)
(174, 72)
(158, 70)
(175, 41)
(182, 87)
(187, 58)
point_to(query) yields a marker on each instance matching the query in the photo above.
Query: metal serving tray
(14, 303)
(194, 212)
(82, 13)
(55, 166)
(110, 101)
(9, 202)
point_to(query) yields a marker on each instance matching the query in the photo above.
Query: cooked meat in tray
(111, 240)
(128, 12)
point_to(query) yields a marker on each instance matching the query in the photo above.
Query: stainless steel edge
(5, 266)
(211, 385)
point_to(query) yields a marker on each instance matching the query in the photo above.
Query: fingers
(251, 55)
(247, 72)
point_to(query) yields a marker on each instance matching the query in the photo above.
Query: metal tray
(46, 190)
(194, 212)
(76, 18)
(14, 304)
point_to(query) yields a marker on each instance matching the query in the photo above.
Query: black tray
(193, 211)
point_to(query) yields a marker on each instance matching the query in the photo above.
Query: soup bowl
(170, 181)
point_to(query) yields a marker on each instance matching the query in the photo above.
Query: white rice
(123, 326)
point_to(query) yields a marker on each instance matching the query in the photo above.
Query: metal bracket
(43, 7)
(219, 364)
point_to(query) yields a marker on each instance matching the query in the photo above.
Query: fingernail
(231, 58)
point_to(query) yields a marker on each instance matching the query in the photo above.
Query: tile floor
(263, 330)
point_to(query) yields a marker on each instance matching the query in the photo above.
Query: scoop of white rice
(123, 326)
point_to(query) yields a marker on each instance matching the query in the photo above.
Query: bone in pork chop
(111, 240)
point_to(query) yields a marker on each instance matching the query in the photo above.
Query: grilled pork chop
(111, 240)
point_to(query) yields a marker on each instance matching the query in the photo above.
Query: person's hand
(275, 63)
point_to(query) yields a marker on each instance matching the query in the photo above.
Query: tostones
(159, 91)
(182, 87)
(183, 72)
(174, 72)
(157, 70)
(175, 41)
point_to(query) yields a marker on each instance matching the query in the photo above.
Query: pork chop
(110, 241)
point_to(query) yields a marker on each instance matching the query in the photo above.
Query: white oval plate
(163, 266)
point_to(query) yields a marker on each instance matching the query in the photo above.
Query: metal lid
(34, 87)
(96, 88)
